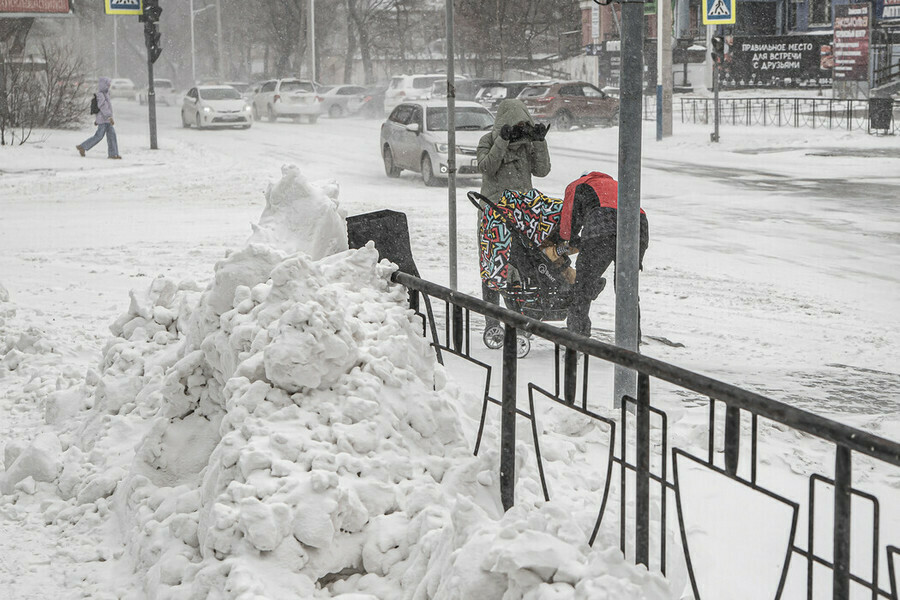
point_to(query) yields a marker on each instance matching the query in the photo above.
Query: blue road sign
(718, 12)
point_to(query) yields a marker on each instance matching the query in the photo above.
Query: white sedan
(122, 88)
(215, 106)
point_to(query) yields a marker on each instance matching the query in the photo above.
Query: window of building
(820, 13)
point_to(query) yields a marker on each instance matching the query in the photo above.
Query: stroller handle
(476, 199)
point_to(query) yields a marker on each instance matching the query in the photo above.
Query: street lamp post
(193, 51)
(311, 36)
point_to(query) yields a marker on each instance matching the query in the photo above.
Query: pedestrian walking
(508, 156)
(102, 108)
(588, 222)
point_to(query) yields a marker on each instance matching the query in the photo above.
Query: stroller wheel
(523, 346)
(493, 337)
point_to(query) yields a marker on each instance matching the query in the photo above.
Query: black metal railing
(636, 458)
(815, 113)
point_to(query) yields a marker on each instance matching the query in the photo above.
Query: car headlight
(207, 109)
(247, 108)
(442, 148)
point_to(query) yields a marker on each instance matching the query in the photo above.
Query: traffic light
(718, 48)
(152, 12)
(151, 39)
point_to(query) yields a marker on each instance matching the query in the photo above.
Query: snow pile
(314, 226)
(287, 433)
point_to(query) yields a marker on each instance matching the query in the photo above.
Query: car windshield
(534, 91)
(495, 91)
(220, 94)
(472, 119)
(297, 86)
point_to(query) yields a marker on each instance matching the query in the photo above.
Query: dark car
(370, 103)
(490, 94)
(570, 103)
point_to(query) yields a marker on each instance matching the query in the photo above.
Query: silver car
(336, 99)
(414, 137)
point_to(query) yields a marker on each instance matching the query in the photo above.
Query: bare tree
(46, 91)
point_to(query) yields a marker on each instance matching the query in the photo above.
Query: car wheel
(428, 172)
(270, 114)
(335, 112)
(197, 121)
(245, 127)
(313, 119)
(184, 122)
(563, 120)
(389, 168)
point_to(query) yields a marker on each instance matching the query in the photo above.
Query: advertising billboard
(852, 24)
(784, 60)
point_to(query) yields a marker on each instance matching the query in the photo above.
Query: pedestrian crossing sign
(124, 7)
(718, 12)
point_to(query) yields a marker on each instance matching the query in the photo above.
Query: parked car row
(414, 136)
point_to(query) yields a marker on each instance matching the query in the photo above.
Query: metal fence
(815, 113)
(633, 460)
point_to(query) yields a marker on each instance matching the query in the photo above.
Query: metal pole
(628, 227)
(451, 146)
(715, 136)
(508, 420)
(219, 35)
(193, 50)
(664, 70)
(115, 46)
(151, 91)
(642, 472)
(311, 35)
(842, 490)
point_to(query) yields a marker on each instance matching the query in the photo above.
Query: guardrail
(815, 113)
(454, 337)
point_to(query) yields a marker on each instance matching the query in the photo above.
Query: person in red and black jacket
(588, 223)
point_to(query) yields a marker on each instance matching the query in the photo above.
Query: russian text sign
(852, 24)
(27, 8)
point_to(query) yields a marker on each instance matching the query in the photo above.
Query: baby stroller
(517, 231)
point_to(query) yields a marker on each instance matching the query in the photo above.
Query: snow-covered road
(771, 255)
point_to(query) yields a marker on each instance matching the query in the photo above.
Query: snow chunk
(4, 293)
(41, 460)
(302, 217)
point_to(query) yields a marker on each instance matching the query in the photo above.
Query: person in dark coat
(588, 223)
(513, 151)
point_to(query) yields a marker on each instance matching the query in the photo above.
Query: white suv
(405, 88)
(292, 98)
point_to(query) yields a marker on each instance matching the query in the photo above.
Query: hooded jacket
(589, 207)
(509, 165)
(103, 101)
(590, 210)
